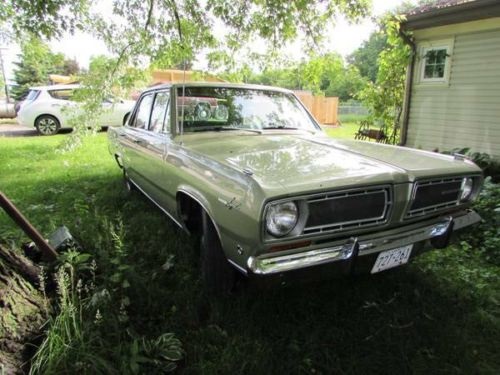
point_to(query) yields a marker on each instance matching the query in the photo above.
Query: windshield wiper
(282, 127)
(224, 128)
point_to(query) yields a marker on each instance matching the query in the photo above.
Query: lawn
(346, 130)
(439, 314)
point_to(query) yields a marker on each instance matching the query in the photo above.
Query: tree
(322, 74)
(36, 62)
(48, 18)
(385, 97)
(365, 58)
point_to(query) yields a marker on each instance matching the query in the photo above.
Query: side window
(159, 115)
(142, 115)
(61, 94)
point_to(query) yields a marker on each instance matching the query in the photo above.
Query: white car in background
(48, 109)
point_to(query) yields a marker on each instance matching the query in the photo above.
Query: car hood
(294, 163)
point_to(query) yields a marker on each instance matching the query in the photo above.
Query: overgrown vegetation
(140, 291)
(322, 74)
(385, 96)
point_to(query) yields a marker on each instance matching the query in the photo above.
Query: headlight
(466, 188)
(281, 218)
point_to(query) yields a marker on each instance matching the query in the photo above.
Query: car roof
(56, 87)
(218, 84)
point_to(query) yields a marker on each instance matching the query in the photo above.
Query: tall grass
(439, 314)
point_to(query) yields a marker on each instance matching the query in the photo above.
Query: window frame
(445, 44)
(131, 123)
(166, 125)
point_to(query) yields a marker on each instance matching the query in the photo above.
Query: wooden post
(26, 226)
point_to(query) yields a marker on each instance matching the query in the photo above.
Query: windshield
(222, 108)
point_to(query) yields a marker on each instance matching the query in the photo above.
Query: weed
(439, 314)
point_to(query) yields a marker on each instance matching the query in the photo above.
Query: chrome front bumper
(363, 245)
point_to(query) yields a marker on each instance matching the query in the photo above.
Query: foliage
(385, 97)
(77, 338)
(36, 62)
(322, 74)
(438, 314)
(48, 18)
(486, 237)
(366, 57)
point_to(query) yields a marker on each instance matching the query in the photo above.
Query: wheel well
(47, 115)
(190, 213)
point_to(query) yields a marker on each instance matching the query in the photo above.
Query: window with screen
(435, 63)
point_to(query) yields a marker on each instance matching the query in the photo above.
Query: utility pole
(3, 75)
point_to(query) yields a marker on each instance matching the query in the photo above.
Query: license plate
(392, 258)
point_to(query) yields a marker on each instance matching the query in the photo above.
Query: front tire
(47, 125)
(218, 276)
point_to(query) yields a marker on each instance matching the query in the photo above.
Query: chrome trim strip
(238, 267)
(157, 204)
(265, 265)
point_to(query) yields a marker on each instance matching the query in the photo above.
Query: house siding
(465, 112)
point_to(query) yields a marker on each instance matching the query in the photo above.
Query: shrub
(486, 236)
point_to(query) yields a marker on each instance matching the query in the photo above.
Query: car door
(148, 144)
(61, 106)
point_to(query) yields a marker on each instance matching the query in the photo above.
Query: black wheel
(47, 125)
(218, 276)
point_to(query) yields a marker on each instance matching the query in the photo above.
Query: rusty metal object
(16, 215)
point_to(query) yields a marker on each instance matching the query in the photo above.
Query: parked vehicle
(48, 109)
(271, 195)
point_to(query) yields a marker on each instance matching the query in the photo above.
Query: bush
(486, 236)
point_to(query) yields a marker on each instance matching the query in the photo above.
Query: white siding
(466, 111)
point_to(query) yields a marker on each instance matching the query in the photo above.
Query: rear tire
(218, 276)
(47, 125)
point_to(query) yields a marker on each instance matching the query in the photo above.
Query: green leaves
(48, 18)
(385, 96)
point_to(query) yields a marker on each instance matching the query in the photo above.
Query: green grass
(439, 314)
(346, 131)
(352, 118)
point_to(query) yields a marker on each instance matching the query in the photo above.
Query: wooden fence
(324, 109)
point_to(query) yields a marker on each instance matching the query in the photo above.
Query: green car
(248, 170)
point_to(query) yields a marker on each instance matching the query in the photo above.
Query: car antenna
(183, 97)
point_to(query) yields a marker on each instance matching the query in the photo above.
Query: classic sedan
(270, 194)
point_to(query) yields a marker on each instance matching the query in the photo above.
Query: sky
(344, 39)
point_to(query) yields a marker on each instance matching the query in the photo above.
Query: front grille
(435, 195)
(348, 209)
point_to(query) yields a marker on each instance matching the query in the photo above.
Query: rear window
(32, 95)
(61, 94)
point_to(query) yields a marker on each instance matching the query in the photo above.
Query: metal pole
(26, 226)
(3, 75)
